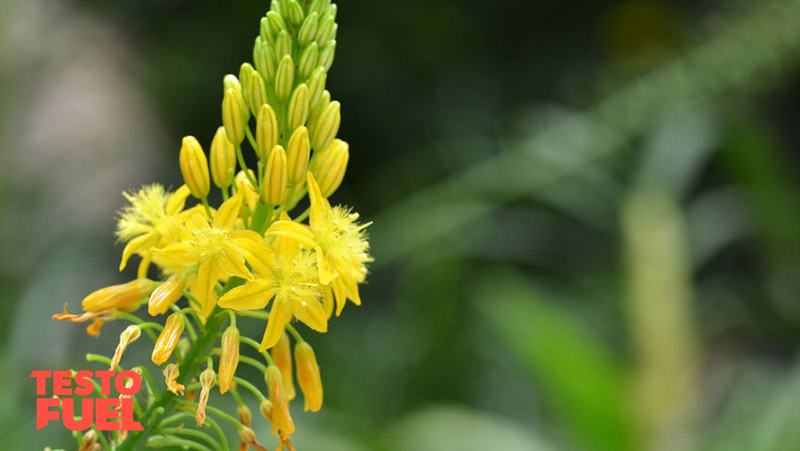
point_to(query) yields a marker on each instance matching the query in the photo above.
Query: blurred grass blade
(660, 317)
(579, 378)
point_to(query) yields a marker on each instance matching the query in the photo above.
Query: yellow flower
(339, 242)
(151, 220)
(289, 278)
(215, 248)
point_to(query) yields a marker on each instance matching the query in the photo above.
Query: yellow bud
(266, 131)
(316, 84)
(309, 29)
(265, 408)
(329, 166)
(298, 152)
(264, 59)
(326, 54)
(322, 105)
(254, 90)
(280, 417)
(207, 381)
(233, 116)
(251, 195)
(308, 60)
(229, 358)
(231, 82)
(275, 177)
(284, 78)
(128, 336)
(298, 107)
(325, 128)
(283, 45)
(171, 374)
(244, 415)
(308, 376)
(118, 296)
(223, 159)
(166, 294)
(326, 29)
(168, 339)
(194, 167)
(247, 438)
(282, 357)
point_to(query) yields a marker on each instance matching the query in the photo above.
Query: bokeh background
(587, 213)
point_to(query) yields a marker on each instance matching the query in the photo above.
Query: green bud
(308, 30)
(330, 10)
(318, 5)
(298, 107)
(298, 153)
(322, 104)
(275, 23)
(283, 45)
(266, 131)
(254, 90)
(308, 60)
(316, 84)
(233, 117)
(326, 55)
(263, 31)
(264, 60)
(295, 12)
(326, 30)
(284, 78)
(324, 129)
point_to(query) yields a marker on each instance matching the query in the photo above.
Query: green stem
(166, 401)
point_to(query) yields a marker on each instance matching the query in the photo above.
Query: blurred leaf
(578, 376)
(444, 428)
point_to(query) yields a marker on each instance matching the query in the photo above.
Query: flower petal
(177, 200)
(326, 272)
(228, 212)
(253, 295)
(320, 208)
(278, 317)
(293, 230)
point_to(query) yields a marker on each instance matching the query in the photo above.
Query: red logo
(108, 414)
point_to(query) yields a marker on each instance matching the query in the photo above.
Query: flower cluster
(247, 257)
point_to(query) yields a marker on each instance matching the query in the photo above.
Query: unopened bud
(264, 59)
(309, 29)
(166, 294)
(171, 374)
(194, 167)
(298, 152)
(308, 60)
(223, 159)
(295, 12)
(326, 127)
(316, 84)
(120, 296)
(282, 357)
(231, 82)
(229, 358)
(284, 78)
(234, 115)
(168, 339)
(322, 105)
(326, 29)
(330, 10)
(329, 166)
(128, 336)
(318, 6)
(297, 113)
(248, 439)
(207, 381)
(326, 54)
(266, 131)
(254, 90)
(275, 177)
(275, 23)
(283, 45)
(263, 30)
(308, 376)
(89, 441)
(265, 408)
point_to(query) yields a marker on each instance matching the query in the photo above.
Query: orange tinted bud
(118, 296)
(281, 419)
(168, 338)
(171, 374)
(166, 294)
(229, 358)
(248, 438)
(308, 376)
(282, 356)
(89, 441)
(129, 335)
(244, 415)
(207, 381)
(266, 409)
